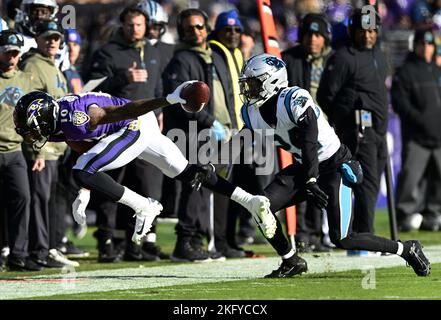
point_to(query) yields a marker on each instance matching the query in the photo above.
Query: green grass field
(330, 276)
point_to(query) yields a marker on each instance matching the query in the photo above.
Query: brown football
(197, 95)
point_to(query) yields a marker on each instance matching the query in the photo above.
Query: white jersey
(291, 104)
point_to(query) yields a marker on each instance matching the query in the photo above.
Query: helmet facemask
(251, 89)
(27, 20)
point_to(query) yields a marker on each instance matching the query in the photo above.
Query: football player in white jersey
(31, 12)
(323, 170)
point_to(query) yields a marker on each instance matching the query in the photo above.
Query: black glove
(202, 175)
(316, 194)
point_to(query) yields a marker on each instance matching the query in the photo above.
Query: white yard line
(181, 274)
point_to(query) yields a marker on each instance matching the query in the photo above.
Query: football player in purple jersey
(112, 132)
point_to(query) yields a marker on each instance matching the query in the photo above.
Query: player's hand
(136, 75)
(316, 194)
(79, 206)
(175, 96)
(219, 131)
(38, 165)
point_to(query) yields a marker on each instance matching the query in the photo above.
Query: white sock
(400, 249)
(151, 237)
(241, 196)
(288, 255)
(133, 200)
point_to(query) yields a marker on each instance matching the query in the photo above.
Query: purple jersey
(73, 120)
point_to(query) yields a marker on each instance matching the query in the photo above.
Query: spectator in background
(43, 163)
(65, 189)
(420, 12)
(305, 64)
(416, 98)
(353, 94)
(32, 12)
(247, 43)
(194, 59)
(73, 77)
(15, 193)
(133, 70)
(157, 27)
(158, 184)
(225, 40)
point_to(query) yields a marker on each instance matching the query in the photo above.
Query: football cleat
(416, 258)
(144, 219)
(289, 268)
(259, 206)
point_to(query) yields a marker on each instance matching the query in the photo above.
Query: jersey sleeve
(299, 101)
(304, 114)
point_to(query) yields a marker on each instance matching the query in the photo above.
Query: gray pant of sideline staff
(415, 160)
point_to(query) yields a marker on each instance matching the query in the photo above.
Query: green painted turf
(391, 283)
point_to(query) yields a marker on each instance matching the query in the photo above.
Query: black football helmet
(35, 117)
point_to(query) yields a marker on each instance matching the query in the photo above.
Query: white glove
(259, 206)
(79, 206)
(175, 96)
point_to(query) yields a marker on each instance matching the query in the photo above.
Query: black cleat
(27, 264)
(154, 250)
(185, 252)
(106, 252)
(416, 258)
(289, 268)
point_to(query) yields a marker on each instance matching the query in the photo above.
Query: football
(197, 95)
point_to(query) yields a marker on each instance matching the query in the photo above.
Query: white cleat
(259, 206)
(144, 219)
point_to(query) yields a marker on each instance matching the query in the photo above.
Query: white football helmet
(23, 15)
(262, 77)
(154, 10)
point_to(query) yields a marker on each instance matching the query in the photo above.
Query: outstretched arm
(133, 109)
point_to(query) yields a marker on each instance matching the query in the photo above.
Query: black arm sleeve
(308, 136)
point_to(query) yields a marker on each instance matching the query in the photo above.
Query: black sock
(406, 249)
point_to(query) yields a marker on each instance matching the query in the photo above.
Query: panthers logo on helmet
(80, 118)
(273, 61)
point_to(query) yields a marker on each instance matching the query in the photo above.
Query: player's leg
(283, 192)
(339, 213)
(112, 152)
(164, 154)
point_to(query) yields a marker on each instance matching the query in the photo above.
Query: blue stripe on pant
(345, 200)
